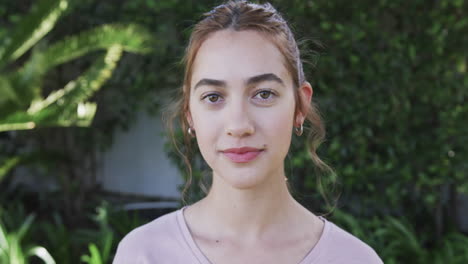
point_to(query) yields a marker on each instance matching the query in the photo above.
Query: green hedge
(392, 86)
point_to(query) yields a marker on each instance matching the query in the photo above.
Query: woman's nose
(238, 121)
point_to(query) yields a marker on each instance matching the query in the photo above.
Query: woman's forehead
(237, 55)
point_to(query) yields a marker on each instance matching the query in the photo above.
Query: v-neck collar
(312, 256)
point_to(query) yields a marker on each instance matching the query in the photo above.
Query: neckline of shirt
(202, 259)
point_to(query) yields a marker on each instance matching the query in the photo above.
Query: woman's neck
(253, 214)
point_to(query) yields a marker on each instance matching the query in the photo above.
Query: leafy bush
(93, 242)
(14, 250)
(396, 241)
(392, 87)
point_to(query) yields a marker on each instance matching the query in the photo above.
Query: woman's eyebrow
(210, 82)
(264, 77)
(252, 80)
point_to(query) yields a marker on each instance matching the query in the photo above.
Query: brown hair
(265, 19)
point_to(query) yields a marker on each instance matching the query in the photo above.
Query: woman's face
(242, 107)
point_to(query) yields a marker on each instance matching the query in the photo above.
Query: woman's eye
(212, 98)
(264, 94)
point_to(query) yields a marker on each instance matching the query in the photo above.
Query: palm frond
(32, 28)
(130, 37)
(26, 84)
(80, 90)
(65, 107)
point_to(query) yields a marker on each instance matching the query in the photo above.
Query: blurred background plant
(28, 101)
(397, 241)
(390, 79)
(12, 250)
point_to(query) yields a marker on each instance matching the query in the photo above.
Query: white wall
(137, 164)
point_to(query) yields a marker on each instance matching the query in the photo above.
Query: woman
(244, 93)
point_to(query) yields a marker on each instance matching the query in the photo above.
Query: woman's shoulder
(340, 246)
(160, 227)
(154, 239)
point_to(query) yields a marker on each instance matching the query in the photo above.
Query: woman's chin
(243, 181)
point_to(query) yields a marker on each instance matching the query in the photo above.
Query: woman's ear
(305, 93)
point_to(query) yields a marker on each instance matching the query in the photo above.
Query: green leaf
(3, 238)
(95, 256)
(107, 247)
(9, 126)
(25, 226)
(27, 81)
(41, 253)
(411, 238)
(8, 165)
(6, 91)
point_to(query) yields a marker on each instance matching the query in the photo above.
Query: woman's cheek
(206, 127)
(280, 127)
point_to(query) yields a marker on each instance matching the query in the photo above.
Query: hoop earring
(299, 130)
(191, 132)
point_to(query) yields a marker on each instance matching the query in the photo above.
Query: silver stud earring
(191, 132)
(299, 130)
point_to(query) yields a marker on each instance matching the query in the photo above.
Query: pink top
(167, 240)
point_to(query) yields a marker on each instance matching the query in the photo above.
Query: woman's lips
(242, 155)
